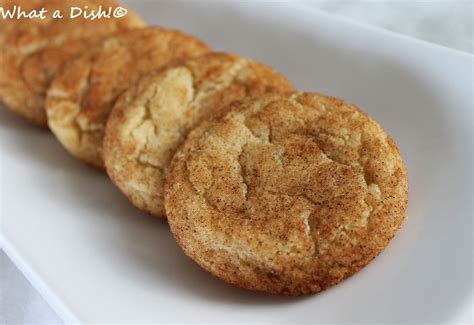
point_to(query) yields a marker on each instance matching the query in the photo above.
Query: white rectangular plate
(97, 259)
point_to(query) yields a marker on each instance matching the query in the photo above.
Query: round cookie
(34, 49)
(84, 91)
(151, 119)
(288, 194)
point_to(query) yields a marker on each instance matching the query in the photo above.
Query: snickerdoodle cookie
(288, 194)
(34, 49)
(86, 88)
(151, 119)
(9, 18)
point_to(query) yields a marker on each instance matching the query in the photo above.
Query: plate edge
(378, 30)
(59, 307)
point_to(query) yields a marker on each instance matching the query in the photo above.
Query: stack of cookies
(268, 188)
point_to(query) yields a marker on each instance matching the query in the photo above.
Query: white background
(448, 23)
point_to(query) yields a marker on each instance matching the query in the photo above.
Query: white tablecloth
(449, 23)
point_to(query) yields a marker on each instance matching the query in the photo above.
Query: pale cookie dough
(288, 194)
(34, 49)
(151, 119)
(85, 90)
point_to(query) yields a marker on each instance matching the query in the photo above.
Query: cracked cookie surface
(85, 90)
(288, 194)
(34, 49)
(151, 119)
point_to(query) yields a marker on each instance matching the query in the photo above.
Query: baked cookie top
(151, 119)
(84, 91)
(34, 49)
(7, 24)
(288, 194)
